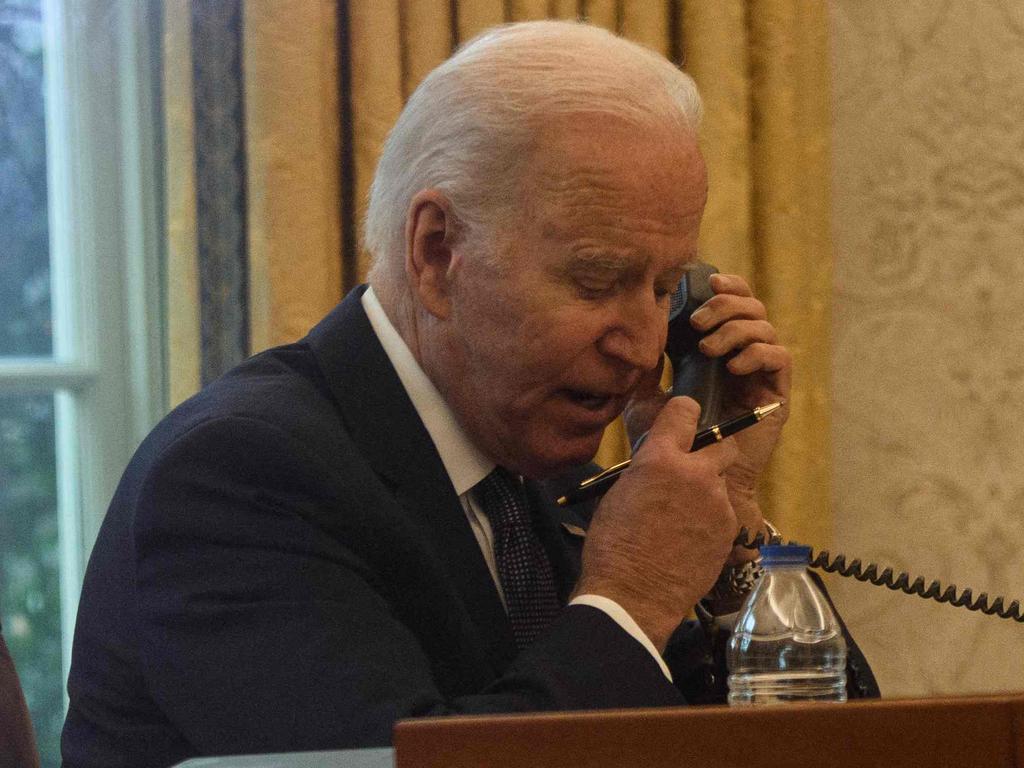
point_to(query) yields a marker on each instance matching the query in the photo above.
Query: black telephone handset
(703, 378)
(694, 374)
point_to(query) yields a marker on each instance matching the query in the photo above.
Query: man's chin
(556, 456)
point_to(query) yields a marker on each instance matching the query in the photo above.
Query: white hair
(467, 130)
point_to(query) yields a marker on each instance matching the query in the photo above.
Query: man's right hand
(661, 535)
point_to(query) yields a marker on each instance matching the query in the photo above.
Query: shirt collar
(465, 463)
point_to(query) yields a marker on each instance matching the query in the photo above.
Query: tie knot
(503, 499)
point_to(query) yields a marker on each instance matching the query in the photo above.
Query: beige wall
(928, 193)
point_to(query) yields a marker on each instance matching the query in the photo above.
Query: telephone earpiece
(695, 374)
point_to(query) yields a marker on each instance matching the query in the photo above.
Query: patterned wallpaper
(928, 194)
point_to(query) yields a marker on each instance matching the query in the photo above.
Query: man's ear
(429, 233)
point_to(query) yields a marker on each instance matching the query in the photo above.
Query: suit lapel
(384, 424)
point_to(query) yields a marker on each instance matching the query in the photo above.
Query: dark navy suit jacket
(285, 566)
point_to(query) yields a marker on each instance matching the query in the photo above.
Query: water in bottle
(787, 645)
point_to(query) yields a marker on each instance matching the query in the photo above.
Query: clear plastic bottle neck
(785, 556)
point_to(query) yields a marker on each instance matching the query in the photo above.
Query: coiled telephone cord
(934, 591)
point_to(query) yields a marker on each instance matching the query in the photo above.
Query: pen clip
(612, 470)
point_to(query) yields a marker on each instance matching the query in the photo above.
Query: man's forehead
(601, 259)
(587, 128)
(573, 159)
(604, 190)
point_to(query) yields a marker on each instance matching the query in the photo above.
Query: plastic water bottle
(787, 645)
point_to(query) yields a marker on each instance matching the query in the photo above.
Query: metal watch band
(736, 582)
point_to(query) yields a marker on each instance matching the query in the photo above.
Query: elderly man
(359, 527)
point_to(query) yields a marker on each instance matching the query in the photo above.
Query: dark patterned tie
(523, 567)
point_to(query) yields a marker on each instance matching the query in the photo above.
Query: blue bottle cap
(785, 554)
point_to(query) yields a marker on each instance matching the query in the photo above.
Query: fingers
(677, 426)
(722, 282)
(736, 322)
(760, 357)
(726, 306)
(737, 334)
(722, 455)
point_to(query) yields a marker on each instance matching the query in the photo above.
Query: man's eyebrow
(600, 259)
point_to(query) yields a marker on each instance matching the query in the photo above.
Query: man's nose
(637, 333)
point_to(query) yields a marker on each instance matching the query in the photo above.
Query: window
(80, 306)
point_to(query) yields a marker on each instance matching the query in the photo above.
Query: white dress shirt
(466, 464)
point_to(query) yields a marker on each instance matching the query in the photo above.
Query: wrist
(655, 620)
(744, 503)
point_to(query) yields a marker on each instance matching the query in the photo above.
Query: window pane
(29, 567)
(24, 242)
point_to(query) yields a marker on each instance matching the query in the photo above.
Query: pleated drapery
(323, 82)
(292, 218)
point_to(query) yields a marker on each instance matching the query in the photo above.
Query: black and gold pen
(600, 483)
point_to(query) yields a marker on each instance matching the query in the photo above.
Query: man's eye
(592, 292)
(666, 292)
(595, 289)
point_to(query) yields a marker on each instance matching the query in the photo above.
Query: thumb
(677, 422)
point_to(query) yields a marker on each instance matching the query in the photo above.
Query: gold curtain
(290, 60)
(762, 66)
(179, 163)
(293, 223)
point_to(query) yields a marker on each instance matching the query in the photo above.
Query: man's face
(540, 352)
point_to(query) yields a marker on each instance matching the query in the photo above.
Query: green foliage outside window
(29, 564)
(24, 242)
(29, 554)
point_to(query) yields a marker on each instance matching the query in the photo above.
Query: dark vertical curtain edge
(675, 37)
(350, 276)
(217, 32)
(155, 31)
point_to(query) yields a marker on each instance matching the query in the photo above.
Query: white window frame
(106, 255)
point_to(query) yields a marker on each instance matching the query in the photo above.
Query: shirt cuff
(619, 615)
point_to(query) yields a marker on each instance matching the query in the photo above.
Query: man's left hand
(737, 327)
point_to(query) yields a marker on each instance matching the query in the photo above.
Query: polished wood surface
(978, 732)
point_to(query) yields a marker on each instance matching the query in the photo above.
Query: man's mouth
(592, 401)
